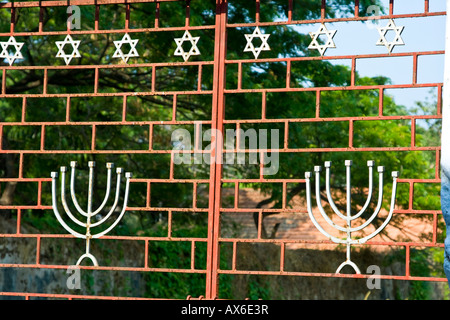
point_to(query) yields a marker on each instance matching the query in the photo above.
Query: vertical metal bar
(68, 102)
(352, 80)
(42, 145)
(192, 255)
(39, 196)
(44, 90)
(124, 108)
(147, 200)
(407, 261)
(264, 104)
(233, 259)
(96, 17)
(438, 164)
(350, 133)
(261, 165)
(174, 108)
(290, 9)
(157, 15)
(238, 137)
(153, 78)
(169, 223)
(213, 255)
(381, 102)
(150, 136)
(93, 137)
(414, 80)
(199, 77)
(96, 73)
(439, 101)
(411, 195)
(188, 13)
(318, 104)
(13, 18)
(282, 255)
(171, 169)
(1, 137)
(21, 165)
(286, 135)
(18, 222)
(236, 194)
(435, 227)
(194, 195)
(68, 24)
(146, 254)
(260, 219)
(24, 109)
(257, 13)
(239, 86)
(127, 16)
(38, 250)
(288, 74)
(41, 19)
(4, 81)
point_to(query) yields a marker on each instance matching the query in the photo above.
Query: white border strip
(445, 143)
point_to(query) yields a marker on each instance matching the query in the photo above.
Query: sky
(419, 34)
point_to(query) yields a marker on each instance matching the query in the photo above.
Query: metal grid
(215, 210)
(349, 147)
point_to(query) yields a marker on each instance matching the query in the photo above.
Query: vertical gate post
(216, 151)
(445, 146)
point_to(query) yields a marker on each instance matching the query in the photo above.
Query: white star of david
(62, 54)
(328, 44)
(5, 53)
(133, 52)
(397, 40)
(192, 52)
(264, 45)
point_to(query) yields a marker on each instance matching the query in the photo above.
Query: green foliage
(156, 47)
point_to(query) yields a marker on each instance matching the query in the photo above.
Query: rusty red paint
(214, 210)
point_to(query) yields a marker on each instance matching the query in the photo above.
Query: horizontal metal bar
(337, 88)
(60, 3)
(208, 122)
(119, 94)
(70, 296)
(106, 31)
(328, 275)
(296, 210)
(296, 150)
(341, 57)
(110, 237)
(103, 268)
(333, 20)
(111, 66)
(328, 242)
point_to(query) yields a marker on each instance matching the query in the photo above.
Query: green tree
(154, 47)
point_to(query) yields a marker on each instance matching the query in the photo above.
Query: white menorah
(349, 217)
(89, 214)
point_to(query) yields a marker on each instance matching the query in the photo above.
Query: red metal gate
(207, 261)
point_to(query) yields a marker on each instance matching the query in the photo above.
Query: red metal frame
(215, 209)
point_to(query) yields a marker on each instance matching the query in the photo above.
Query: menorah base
(348, 263)
(90, 256)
